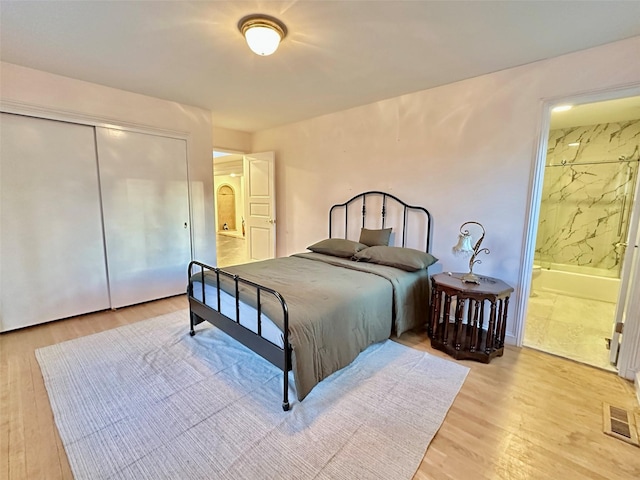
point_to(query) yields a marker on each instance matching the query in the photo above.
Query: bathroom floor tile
(570, 327)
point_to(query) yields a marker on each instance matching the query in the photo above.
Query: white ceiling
(337, 55)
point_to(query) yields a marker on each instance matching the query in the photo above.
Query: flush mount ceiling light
(562, 108)
(262, 32)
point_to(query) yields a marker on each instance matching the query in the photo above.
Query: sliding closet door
(52, 262)
(145, 203)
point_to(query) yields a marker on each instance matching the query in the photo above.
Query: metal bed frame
(279, 356)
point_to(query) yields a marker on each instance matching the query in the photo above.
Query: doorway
(226, 209)
(586, 210)
(251, 176)
(228, 180)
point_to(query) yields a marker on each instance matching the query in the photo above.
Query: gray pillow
(375, 237)
(407, 259)
(338, 247)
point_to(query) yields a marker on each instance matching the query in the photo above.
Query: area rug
(147, 401)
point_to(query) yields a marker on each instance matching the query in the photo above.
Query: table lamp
(465, 248)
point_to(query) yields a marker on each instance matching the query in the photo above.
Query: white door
(52, 262)
(146, 214)
(628, 362)
(260, 205)
(629, 291)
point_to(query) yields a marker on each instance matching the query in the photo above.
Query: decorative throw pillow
(338, 247)
(375, 237)
(407, 259)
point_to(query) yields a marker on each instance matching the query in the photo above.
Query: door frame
(629, 358)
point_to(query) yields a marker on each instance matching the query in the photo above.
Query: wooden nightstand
(468, 321)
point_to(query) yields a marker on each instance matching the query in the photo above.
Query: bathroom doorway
(589, 194)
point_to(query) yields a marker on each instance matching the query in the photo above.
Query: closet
(145, 202)
(90, 218)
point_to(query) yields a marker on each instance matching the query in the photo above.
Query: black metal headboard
(412, 225)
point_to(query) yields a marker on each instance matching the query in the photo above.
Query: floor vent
(620, 423)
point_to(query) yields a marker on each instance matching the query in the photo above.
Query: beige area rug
(147, 401)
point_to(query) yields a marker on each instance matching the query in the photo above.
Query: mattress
(248, 314)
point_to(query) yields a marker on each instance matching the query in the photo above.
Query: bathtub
(582, 282)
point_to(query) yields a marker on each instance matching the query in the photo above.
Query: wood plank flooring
(527, 415)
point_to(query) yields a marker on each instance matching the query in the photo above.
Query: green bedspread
(337, 307)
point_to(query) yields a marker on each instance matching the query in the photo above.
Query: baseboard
(510, 339)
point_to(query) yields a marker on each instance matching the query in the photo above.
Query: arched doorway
(226, 202)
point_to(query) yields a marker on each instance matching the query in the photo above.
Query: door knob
(271, 221)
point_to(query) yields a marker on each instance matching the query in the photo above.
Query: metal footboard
(200, 311)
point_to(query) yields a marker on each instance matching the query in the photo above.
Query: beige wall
(27, 90)
(226, 139)
(465, 151)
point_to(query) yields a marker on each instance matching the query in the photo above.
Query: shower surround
(587, 196)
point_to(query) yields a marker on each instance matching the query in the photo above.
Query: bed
(313, 313)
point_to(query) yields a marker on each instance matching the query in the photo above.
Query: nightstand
(467, 320)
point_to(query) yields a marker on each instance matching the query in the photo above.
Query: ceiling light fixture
(262, 32)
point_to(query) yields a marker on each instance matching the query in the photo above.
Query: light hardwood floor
(527, 415)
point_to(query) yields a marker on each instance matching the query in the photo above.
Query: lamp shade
(262, 33)
(463, 248)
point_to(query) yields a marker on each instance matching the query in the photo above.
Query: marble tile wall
(587, 195)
